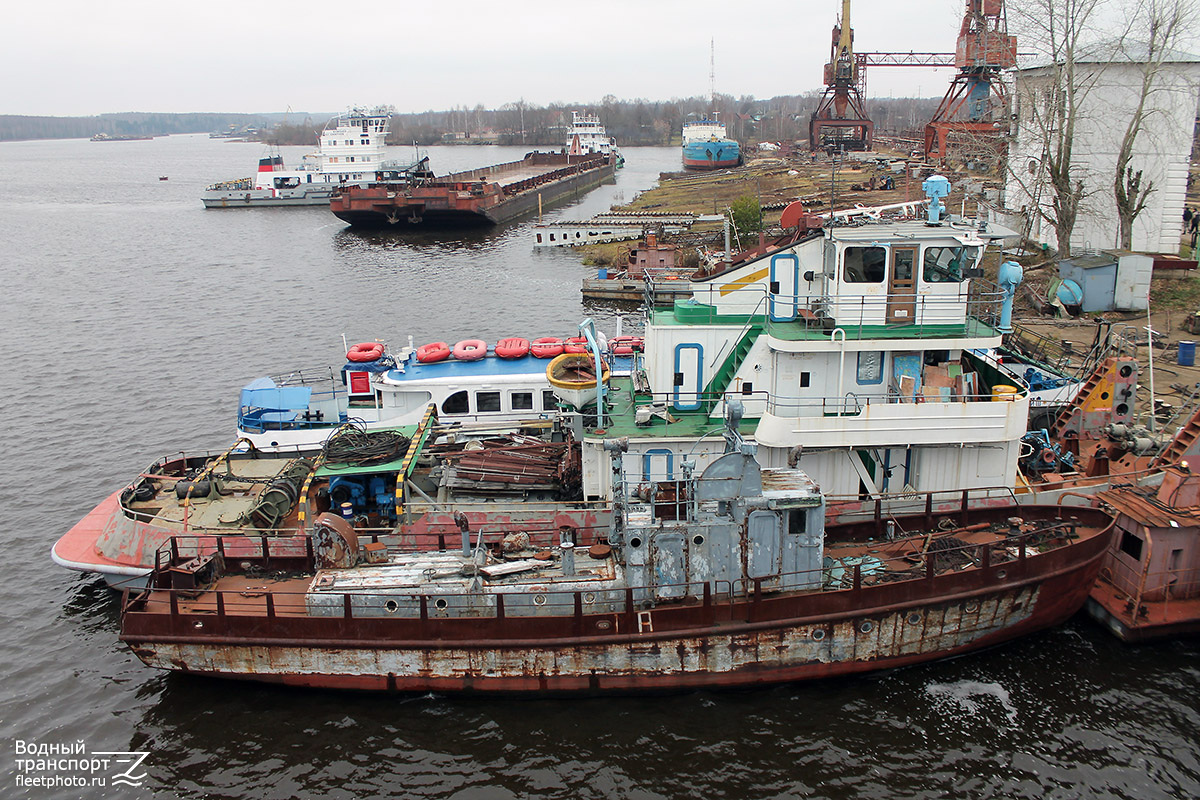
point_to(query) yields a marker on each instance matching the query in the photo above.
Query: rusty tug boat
(726, 577)
(474, 198)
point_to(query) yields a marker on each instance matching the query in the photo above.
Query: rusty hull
(715, 642)
(478, 198)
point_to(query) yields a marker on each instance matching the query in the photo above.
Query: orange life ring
(576, 344)
(626, 345)
(514, 347)
(546, 347)
(470, 349)
(435, 351)
(365, 351)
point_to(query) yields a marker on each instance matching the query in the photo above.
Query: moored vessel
(473, 198)
(706, 145)
(351, 149)
(726, 577)
(587, 135)
(1149, 586)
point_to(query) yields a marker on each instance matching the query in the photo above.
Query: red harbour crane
(976, 101)
(840, 120)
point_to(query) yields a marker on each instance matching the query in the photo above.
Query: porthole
(971, 608)
(1002, 574)
(603, 624)
(589, 597)
(539, 599)
(636, 541)
(698, 539)
(391, 606)
(914, 618)
(198, 624)
(440, 603)
(818, 634)
(866, 626)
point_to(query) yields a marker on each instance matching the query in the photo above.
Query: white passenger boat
(350, 150)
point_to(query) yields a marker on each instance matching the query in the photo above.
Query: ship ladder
(717, 387)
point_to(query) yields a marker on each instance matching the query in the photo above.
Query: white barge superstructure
(350, 150)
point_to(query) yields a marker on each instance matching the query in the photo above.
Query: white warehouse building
(1112, 80)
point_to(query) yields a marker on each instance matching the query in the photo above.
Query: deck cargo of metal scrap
(474, 198)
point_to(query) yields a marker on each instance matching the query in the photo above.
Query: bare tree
(1049, 101)
(1158, 25)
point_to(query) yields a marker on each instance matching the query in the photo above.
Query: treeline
(13, 127)
(632, 122)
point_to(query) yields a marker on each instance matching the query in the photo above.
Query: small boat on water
(726, 577)
(351, 150)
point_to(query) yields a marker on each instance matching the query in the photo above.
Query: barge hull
(480, 198)
(757, 641)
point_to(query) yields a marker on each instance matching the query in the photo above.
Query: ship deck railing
(324, 403)
(619, 417)
(437, 531)
(974, 312)
(181, 587)
(1152, 586)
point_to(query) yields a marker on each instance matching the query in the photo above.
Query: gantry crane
(976, 102)
(840, 120)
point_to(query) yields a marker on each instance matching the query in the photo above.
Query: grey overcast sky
(82, 57)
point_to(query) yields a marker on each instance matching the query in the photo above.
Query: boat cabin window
(522, 401)
(946, 264)
(1131, 545)
(287, 183)
(549, 401)
(487, 401)
(863, 264)
(457, 403)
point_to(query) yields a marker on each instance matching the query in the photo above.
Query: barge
(474, 198)
(726, 577)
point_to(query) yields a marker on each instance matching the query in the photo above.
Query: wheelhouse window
(457, 403)
(947, 264)
(487, 401)
(864, 264)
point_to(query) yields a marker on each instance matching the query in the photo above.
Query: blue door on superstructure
(782, 303)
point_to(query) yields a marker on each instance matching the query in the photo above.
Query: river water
(131, 316)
